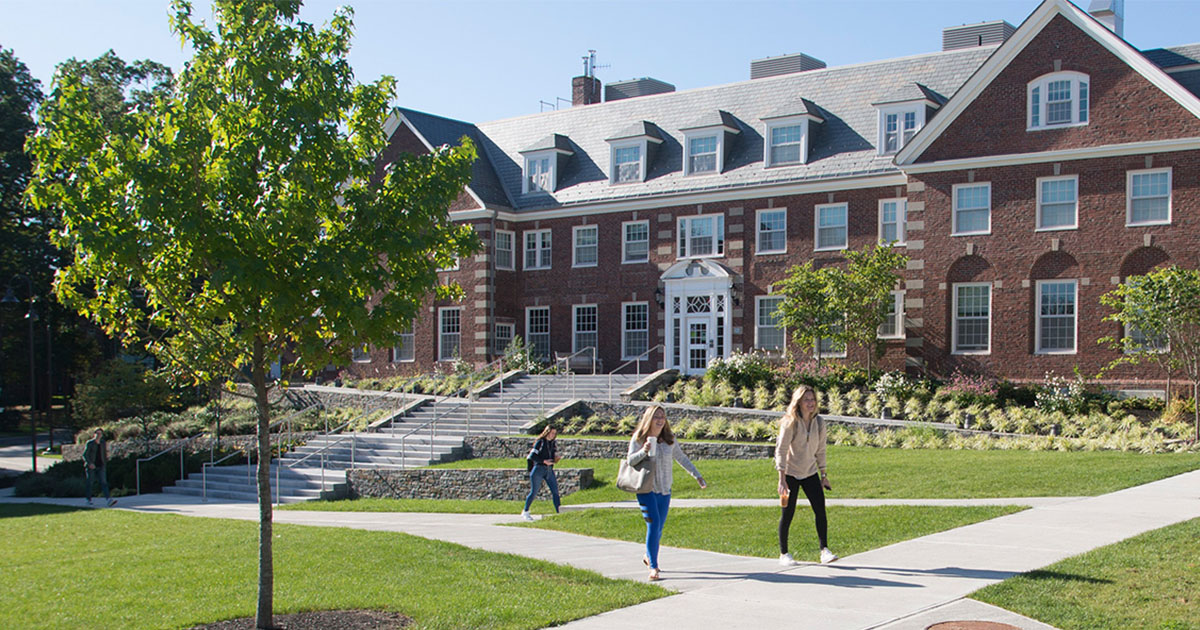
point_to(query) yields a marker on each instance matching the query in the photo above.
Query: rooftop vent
(972, 35)
(783, 64)
(631, 88)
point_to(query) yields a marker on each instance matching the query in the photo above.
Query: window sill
(970, 352)
(404, 361)
(773, 252)
(890, 337)
(840, 248)
(1053, 127)
(635, 262)
(893, 243)
(1057, 229)
(700, 257)
(587, 266)
(537, 269)
(985, 233)
(1041, 353)
(1147, 224)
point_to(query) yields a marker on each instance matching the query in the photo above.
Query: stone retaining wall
(142, 448)
(444, 483)
(483, 447)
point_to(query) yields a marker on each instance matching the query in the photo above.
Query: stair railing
(638, 360)
(249, 452)
(540, 390)
(179, 445)
(566, 361)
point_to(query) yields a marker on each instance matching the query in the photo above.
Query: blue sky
(480, 61)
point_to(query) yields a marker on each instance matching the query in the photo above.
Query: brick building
(1025, 171)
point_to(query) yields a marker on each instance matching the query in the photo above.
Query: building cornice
(1062, 155)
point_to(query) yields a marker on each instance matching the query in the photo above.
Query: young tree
(866, 293)
(811, 305)
(1162, 310)
(242, 213)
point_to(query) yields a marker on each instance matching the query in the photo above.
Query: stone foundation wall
(442, 483)
(482, 447)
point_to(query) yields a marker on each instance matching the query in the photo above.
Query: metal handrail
(137, 466)
(637, 360)
(249, 452)
(566, 361)
(540, 391)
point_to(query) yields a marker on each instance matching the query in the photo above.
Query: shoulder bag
(636, 479)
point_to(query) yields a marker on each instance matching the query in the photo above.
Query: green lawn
(68, 568)
(1150, 581)
(851, 529)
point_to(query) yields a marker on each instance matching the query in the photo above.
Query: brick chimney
(585, 91)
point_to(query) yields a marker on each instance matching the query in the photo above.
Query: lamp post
(31, 316)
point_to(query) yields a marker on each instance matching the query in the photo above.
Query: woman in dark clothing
(543, 458)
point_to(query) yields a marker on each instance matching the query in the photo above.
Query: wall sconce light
(659, 297)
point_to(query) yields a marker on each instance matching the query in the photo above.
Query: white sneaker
(527, 516)
(827, 556)
(786, 560)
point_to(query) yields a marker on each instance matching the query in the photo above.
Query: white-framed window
(786, 142)
(628, 163)
(1058, 202)
(768, 333)
(537, 249)
(635, 329)
(830, 226)
(893, 213)
(829, 348)
(1148, 197)
(772, 231)
(537, 331)
(1144, 343)
(502, 335)
(898, 125)
(360, 354)
(504, 249)
(405, 349)
(702, 236)
(972, 209)
(539, 173)
(702, 155)
(586, 325)
(1056, 316)
(635, 242)
(450, 332)
(893, 322)
(972, 323)
(586, 247)
(1059, 99)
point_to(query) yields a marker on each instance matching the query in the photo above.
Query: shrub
(742, 369)
(967, 389)
(874, 405)
(1057, 393)
(895, 383)
(121, 389)
(762, 397)
(854, 402)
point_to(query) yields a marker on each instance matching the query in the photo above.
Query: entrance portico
(698, 296)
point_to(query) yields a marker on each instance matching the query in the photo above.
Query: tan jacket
(800, 453)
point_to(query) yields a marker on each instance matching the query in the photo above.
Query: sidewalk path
(16, 458)
(905, 586)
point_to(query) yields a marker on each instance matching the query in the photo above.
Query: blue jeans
(92, 475)
(654, 511)
(540, 473)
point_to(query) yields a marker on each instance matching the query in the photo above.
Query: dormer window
(1059, 99)
(544, 162)
(702, 155)
(627, 164)
(707, 141)
(787, 134)
(787, 143)
(539, 175)
(902, 113)
(632, 151)
(897, 129)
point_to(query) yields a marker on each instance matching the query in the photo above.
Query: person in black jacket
(542, 459)
(95, 464)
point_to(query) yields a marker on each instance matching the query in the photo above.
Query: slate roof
(553, 141)
(911, 92)
(842, 146)
(718, 118)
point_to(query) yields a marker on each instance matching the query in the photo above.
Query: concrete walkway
(905, 586)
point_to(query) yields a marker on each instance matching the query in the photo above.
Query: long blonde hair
(643, 426)
(793, 412)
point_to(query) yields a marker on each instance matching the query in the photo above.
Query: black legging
(816, 498)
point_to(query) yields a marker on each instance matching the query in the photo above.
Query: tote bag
(636, 479)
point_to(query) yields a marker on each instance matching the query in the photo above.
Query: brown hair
(546, 431)
(643, 426)
(792, 413)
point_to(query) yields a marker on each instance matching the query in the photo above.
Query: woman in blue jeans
(653, 439)
(542, 459)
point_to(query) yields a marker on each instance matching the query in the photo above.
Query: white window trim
(954, 211)
(624, 257)
(718, 235)
(1128, 332)
(575, 325)
(688, 136)
(612, 160)
(552, 157)
(758, 247)
(366, 358)
(575, 264)
(954, 317)
(441, 331)
(512, 240)
(817, 227)
(549, 328)
(900, 110)
(803, 122)
(412, 332)
(1037, 312)
(538, 243)
(901, 222)
(898, 304)
(512, 333)
(758, 300)
(630, 357)
(1038, 224)
(1129, 196)
(1043, 82)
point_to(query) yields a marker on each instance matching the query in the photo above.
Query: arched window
(1059, 99)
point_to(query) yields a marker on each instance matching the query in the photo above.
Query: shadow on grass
(19, 510)
(1064, 577)
(845, 576)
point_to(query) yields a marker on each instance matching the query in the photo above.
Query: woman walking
(800, 460)
(542, 459)
(653, 439)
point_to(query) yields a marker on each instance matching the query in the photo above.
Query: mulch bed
(321, 620)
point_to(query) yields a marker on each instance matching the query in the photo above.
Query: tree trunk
(266, 565)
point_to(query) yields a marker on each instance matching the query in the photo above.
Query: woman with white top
(800, 460)
(653, 439)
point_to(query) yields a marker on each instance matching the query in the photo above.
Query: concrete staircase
(431, 433)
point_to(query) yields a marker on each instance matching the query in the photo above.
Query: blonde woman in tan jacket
(800, 460)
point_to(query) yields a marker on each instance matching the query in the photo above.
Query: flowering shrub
(742, 369)
(1058, 393)
(894, 383)
(823, 376)
(969, 389)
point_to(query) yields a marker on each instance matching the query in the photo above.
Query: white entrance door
(698, 344)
